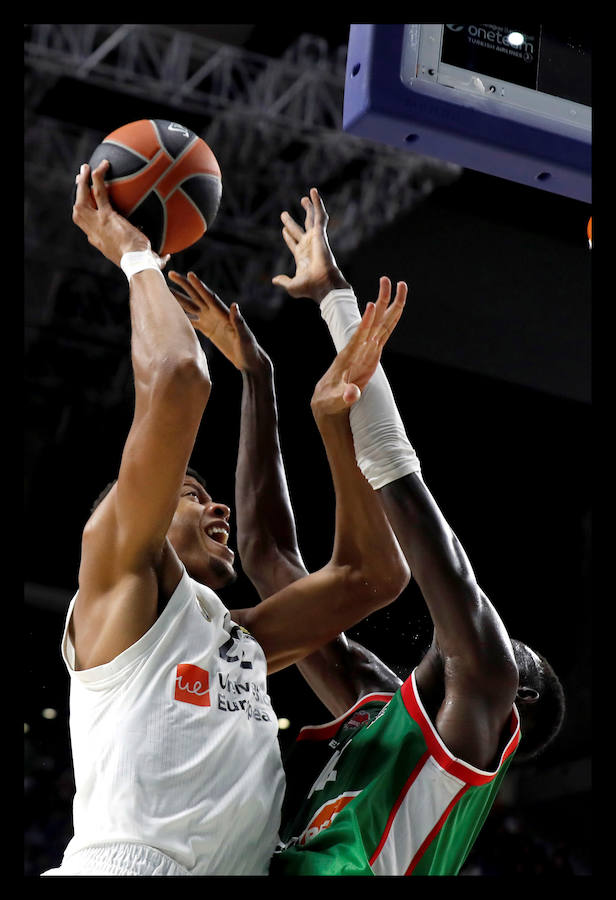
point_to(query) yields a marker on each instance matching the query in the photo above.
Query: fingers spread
(309, 209)
(238, 322)
(393, 313)
(363, 330)
(402, 288)
(207, 293)
(382, 303)
(367, 319)
(384, 290)
(320, 213)
(185, 284)
(187, 305)
(198, 299)
(295, 230)
(358, 360)
(289, 240)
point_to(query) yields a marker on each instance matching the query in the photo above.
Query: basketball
(164, 179)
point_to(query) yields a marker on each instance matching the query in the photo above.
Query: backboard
(509, 100)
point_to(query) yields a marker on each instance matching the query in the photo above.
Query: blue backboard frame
(449, 125)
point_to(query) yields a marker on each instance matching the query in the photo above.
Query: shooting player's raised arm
(124, 548)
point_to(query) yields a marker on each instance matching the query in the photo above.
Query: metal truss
(192, 73)
(275, 127)
(275, 123)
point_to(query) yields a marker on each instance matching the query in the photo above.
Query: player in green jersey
(401, 781)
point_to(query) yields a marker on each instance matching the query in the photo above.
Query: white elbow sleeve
(383, 450)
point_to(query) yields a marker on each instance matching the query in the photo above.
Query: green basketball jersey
(376, 792)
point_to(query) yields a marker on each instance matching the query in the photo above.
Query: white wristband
(137, 261)
(383, 450)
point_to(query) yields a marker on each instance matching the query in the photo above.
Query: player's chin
(220, 572)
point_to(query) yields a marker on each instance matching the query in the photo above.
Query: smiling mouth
(218, 534)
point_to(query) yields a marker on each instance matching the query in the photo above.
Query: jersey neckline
(329, 729)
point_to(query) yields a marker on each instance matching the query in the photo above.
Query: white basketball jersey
(175, 743)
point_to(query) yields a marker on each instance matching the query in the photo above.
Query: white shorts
(118, 859)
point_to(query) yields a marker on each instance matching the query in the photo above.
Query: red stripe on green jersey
(376, 792)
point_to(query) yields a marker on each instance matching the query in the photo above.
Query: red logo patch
(192, 685)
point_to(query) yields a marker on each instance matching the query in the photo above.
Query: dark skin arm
(468, 678)
(469, 675)
(343, 670)
(360, 522)
(266, 532)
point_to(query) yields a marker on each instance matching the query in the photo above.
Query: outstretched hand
(105, 228)
(342, 384)
(223, 326)
(316, 270)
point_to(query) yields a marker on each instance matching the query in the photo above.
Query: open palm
(314, 260)
(222, 325)
(354, 366)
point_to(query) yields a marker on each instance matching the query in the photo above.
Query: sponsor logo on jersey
(242, 696)
(325, 815)
(192, 685)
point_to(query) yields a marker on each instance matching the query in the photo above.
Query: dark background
(490, 367)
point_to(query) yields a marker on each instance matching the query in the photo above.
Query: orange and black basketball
(164, 179)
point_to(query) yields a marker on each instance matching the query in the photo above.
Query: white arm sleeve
(384, 452)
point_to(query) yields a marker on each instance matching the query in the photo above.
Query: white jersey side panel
(175, 742)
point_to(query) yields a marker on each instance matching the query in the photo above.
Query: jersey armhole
(464, 771)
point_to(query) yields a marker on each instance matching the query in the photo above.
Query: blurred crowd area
(509, 844)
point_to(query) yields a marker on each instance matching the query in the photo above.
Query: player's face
(199, 533)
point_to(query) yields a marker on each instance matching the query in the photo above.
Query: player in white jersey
(174, 741)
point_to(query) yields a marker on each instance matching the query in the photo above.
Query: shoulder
(469, 709)
(472, 753)
(116, 604)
